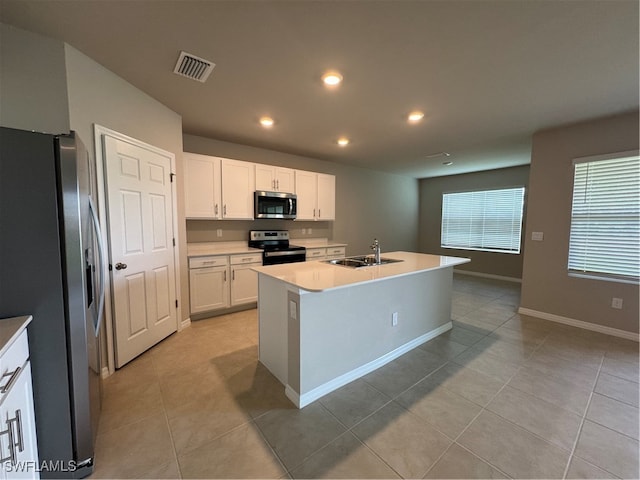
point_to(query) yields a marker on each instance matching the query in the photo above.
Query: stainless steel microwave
(275, 205)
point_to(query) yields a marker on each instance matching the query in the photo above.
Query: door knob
(121, 266)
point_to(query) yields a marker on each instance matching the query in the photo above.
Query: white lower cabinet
(223, 281)
(209, 288)
(328, 253)
(18, 445)
(244, 284)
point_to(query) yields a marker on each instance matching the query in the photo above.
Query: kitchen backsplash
(238, 230)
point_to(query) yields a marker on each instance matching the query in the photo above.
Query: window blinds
(489, 220)
(605, 226)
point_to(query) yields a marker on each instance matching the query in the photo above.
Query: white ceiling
(487, 73)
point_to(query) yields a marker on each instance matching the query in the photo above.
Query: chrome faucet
(376, 250)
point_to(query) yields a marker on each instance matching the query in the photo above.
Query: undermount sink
(362, 261)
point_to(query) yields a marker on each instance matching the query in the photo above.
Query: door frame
(99, 132)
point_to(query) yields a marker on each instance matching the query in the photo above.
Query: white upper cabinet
(222, 189)
(202, 186)
(326, 197)
(238, 185)
(274, 179)
(307, 192)
(316, 196)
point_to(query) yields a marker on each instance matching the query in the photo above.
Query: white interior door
(140, 213)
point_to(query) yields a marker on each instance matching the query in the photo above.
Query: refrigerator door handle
(103, 262)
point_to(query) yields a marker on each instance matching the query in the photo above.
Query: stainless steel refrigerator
(51, 268)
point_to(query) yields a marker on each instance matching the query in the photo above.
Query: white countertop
(10, 328)
(230, 248)
(315, 242)
(219, 248)
(318, 276)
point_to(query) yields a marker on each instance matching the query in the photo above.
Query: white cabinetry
(238, 185)
(202, 186)
(208, 283)
(244, 281)
(336, 252)
(221, 281)
(18, 445)
(274, 179)
(316, 195)
(325, 253)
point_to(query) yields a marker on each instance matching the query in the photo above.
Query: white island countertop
(318, 276)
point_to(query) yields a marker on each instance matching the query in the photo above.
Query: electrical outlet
(219, 232)
(537, 236)
(616, 303)
(394, 319)
(304, 231)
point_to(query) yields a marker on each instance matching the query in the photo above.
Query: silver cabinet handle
(314, 213)
(121, 266)
(215, 211)
(225, 275)
(12, 378)
(319, 215)
(12, 437)
(277, 184)
(233, 274)
(224, 210)
(273, 184)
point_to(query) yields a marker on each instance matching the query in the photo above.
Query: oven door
(275, 205)
(283, 256)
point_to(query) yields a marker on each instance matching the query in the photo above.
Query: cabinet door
(208, 288)
(202, 186)
(265, 178)
(244, 284)
(238, 185)
(326, 197)
(307, 192)
(17, 413)
(285, 180)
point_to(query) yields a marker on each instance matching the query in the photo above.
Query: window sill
(605, 278)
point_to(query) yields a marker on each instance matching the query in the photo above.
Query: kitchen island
(323, 326)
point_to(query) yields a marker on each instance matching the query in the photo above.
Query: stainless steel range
(276, 247)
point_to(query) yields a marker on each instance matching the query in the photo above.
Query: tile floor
(499, 396)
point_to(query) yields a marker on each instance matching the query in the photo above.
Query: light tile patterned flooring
(500, 395)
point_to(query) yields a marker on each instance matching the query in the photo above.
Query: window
(488, 220)
(605, 226)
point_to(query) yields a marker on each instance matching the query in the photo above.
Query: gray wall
(546, 286)
(431, 190)
(33, 84)
(98, 96)
(368, 204)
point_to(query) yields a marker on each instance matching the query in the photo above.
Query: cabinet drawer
(337, 251)
(13, 359)
(246, 258)
(200, 262)
(316, 252)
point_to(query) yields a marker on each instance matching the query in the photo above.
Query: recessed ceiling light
(343, 141)
(415, 116)
(447, 163)
(266, 122)
(331, 79)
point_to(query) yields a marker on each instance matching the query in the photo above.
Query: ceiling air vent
(193, 67)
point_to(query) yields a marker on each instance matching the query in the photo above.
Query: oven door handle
(284, 253)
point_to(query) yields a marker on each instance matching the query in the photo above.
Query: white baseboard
(580, 324)
(185, 323)
(488, 275)
(105, 372)
(305, 399)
